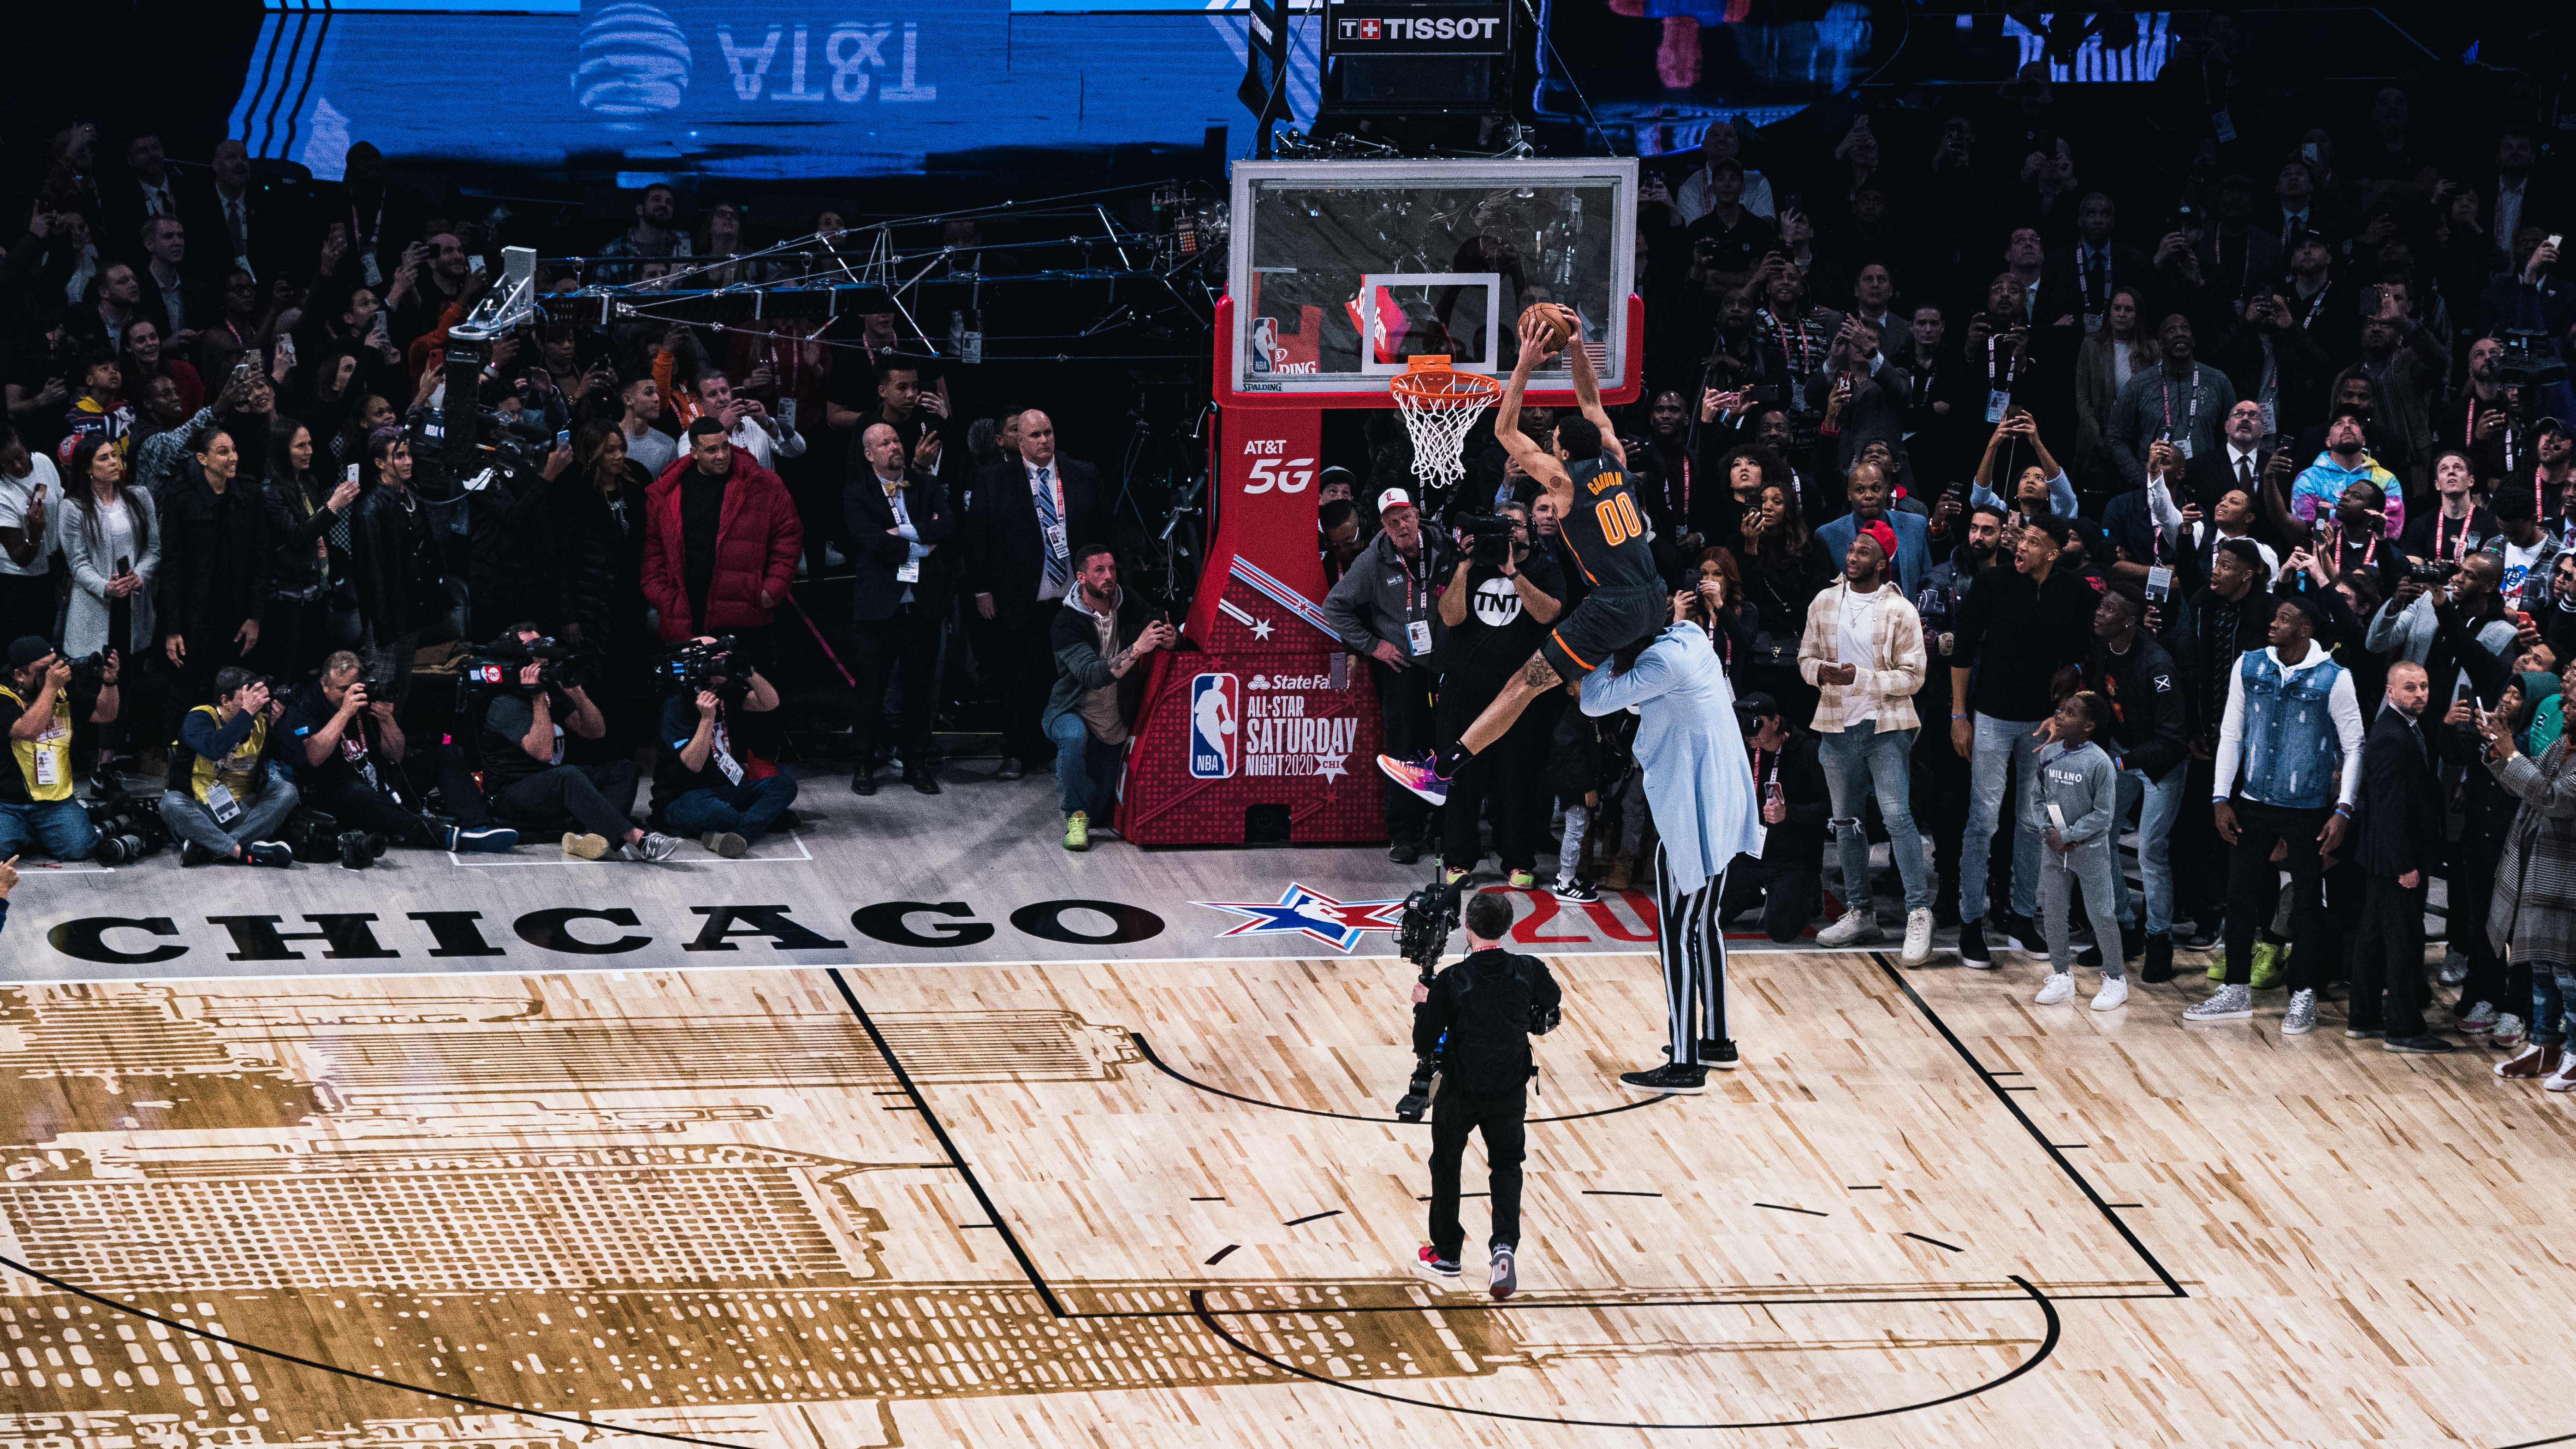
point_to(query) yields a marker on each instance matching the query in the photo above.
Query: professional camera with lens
(495, 667)
(2530, 361)
(89, 671)
(709, 664)
(1422, 934)
(1489, 538)
(2431, 571)
(128, 830)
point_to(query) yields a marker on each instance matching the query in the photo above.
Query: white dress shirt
(753, 438)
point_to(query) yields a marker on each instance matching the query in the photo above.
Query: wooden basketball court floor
(1165, 1204)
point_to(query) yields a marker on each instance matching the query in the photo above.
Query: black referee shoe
(1718, 1053)
(1668, 1078)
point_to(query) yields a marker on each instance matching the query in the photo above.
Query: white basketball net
(1437, 418)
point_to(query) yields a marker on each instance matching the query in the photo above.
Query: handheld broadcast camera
(1430, 917)
(495, 666)
(1489, 538)
(710, 664)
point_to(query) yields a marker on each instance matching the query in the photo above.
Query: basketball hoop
(1439, 405)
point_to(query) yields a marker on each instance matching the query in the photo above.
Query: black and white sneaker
(1668, 1078)
(1506, 1277)
(1972, 946)
(483, 839)
(268, 853)
(1718, 1055)
(1576, 892)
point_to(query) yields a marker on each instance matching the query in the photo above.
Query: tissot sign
(1374, 27)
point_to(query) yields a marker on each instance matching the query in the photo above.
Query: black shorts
(1607, 621)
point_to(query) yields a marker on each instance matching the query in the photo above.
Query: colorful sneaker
(2057, 991)
(1077, 830)
(2301, 1018)
(1419, 775)
(1576, 892)
(1451, 875)
(2479, 1019)
(2268, 965)
(1855, 926)
(2231, 1003)
(1506, 1277)
(2563, 1079)
(2533, 1061)
(2508, 1030)
(1432, 1263)
(1521, 880)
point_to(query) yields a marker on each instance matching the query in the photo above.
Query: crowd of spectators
(2191, 474)
(2058, 482)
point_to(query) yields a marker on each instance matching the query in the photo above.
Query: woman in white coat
(112, 542)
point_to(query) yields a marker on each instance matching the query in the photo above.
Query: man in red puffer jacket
(721, 539)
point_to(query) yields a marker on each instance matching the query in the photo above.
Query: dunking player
(1586, 474)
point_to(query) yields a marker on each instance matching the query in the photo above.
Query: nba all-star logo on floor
(1300, 911)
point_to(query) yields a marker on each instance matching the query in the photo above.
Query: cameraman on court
(700, 785)
(1476, 1019)
(525, 776)
(352, 759)
(1497, 607)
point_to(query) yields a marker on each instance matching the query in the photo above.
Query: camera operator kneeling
(225, 802)
(527, 780)
(699, 785)
(353, 760)
(1477, 1018)
(36, 804)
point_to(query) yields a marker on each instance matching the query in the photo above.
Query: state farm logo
(1290, 681)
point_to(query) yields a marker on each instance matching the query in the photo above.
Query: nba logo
(1216, 710)
(1265, 342)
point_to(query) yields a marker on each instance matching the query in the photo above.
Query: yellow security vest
(49, 755)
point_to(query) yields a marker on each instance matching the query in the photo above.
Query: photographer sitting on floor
(353, 760)
(699, 784)
(36, 804)
(224, 801)
(523, 753)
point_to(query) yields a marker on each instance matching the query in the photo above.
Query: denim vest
(2293, 757)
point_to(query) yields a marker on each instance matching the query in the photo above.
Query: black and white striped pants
(1691, 942)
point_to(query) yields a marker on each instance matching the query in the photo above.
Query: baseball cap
(1756, 705)
(1883, 535)
(27, 650)
(1394, 498)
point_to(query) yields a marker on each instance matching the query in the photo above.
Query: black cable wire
(1539, 23)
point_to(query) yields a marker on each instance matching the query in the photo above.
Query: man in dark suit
(236, 221)
(898, 518)
(2078, 280)
(2401, 807)
(1029, 514)
(149, 189)
(176, 300)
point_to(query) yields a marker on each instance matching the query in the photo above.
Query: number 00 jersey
(1604, 530)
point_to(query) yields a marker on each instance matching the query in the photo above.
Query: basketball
(1557, 322)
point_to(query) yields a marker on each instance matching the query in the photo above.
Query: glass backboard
(1343, 271)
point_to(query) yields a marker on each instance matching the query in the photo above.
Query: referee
(1699, 789)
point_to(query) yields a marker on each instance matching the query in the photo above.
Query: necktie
(2097, 287)
(2245, 474)
(1058, 574)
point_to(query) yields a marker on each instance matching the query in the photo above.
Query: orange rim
(1431, 381)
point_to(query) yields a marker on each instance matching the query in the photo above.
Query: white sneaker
(2479, 1019)
(2507, 1032)
(2059, 990)
(2113, 995)
(1918, 937)
(2301, 1018)
(1855, 926)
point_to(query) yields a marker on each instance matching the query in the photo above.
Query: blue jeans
(2000, 744)
(1879, 761)
(261, 818)
(2157, 802)
(1086, 771)
(60, 827)
(747, 809)
(2553, 995)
